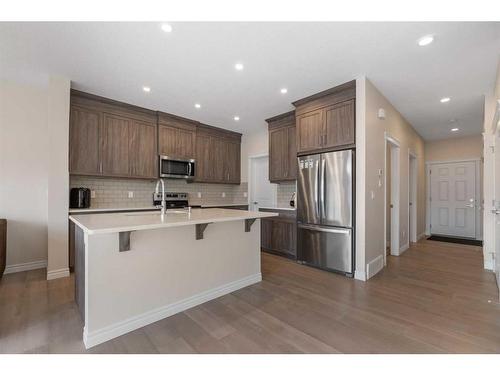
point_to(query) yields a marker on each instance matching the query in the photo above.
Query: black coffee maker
(79, 198)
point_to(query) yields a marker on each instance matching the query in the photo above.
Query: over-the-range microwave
(172, 167)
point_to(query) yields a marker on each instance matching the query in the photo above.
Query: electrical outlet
(372, 194)
(245, 194)
(223, 195)
(130, 194)
(92, 194)
(199, 194)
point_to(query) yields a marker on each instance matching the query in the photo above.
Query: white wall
(370, 149)
(23, 173)
(34, 172)
(254, 143)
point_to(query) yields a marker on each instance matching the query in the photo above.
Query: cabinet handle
(100, 167)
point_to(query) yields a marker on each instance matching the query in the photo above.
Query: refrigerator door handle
(327, 230)
(321, 183)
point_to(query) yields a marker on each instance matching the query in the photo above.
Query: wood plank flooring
(432, 299)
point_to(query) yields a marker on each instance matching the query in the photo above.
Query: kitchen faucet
(163, 201)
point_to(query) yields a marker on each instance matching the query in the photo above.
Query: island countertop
(133, 221)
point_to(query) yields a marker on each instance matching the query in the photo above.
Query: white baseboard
(374, 266)
(420, 236)
(131, 324)
(360, 275)
(20, 267)
(403, 248)
(56, 274)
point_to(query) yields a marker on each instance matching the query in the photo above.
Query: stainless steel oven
(172, 167)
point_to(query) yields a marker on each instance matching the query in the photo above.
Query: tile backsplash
(114, 192)
(285, 191)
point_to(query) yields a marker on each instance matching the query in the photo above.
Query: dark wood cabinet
(143, 159)
(111, 139)
(218, 156)
(282, 148)
(84, 141)
(279, 234)
(326, 121)
(176, 136)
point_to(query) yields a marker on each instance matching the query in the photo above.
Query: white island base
(166, 271)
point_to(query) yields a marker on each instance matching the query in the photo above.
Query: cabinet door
(310, 131)
(291, 154)
(266, 227)
(278, 148)
(185, 144)
(167, 137)
(339, 124)
(219, 150)
(115, 144)
(204, 157)
(142, 150)
(233, 162)
(84, 141)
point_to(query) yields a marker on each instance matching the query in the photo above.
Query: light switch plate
(130, 194)
(92, 194)
(223, 195)
(199, 194)
(245, 194)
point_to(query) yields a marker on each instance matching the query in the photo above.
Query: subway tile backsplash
(114, 192)
(285, 191)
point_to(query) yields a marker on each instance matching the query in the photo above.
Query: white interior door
(262, 192)
(453, 199)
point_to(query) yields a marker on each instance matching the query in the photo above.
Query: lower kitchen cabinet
(279, 236)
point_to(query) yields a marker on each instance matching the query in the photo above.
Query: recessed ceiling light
(236, 118)
(238, 66)
(146, 88)
(425, 40)
(454, 129)
(445, 100)
(284, 90)
(197, 105)
(166, 27)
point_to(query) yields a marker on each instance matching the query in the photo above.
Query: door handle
(495, 211)
(471, 205)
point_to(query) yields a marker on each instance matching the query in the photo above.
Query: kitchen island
(132, 269)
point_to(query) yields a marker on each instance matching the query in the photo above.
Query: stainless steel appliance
(172, 200)
(325, 209)
(79, 198)
(171, 167)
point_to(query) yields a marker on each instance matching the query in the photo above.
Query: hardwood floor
(432, 299)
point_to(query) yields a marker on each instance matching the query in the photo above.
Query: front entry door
(453, 199)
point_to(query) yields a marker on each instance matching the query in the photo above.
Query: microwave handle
(190, 168)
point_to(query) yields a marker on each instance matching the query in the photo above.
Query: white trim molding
(57, 274)
(28, 266)
(420, 236)
(403, 248)
(114, 330)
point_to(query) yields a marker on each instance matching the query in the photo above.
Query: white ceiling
(195, 64)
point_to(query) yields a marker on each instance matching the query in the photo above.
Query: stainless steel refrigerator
(325, 209)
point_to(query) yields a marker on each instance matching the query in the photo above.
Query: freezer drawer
(328, 248)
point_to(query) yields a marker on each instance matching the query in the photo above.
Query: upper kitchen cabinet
(282, 148)
(218, 155)
(176, 136)
(326, 121)
(84, 142)
(112, 139)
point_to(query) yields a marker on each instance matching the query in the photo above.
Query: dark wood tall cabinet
(282, 148)
(326, 121)
(84, 144)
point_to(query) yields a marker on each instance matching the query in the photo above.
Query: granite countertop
(123, 222)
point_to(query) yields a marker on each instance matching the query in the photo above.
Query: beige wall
(23, 172)
(454, 149)
(254, 143)
(34, 173)
(370, 196)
